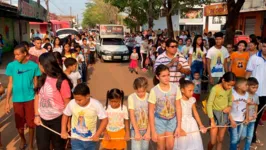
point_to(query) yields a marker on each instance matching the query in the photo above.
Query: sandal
(259, 143)
(24, 147)
(253, 147)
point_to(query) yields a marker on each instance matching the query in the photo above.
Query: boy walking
(22, 74)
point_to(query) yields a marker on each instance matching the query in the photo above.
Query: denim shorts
(163, 125)
(220, 118)
(82, 145)
(139, 145)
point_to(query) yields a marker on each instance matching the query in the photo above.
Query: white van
(110, 43)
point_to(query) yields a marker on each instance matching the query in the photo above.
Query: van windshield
(113, 42)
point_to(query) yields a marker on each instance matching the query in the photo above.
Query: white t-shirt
(183, 37)
(257, 67)
(198, 55)
(239, 106)
(74, 77)
(84, 119)
(80, 57)
(58, 49)
(138, 40)
(116, 118)
(79, 42)
(217, 57)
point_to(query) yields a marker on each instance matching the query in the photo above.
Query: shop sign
(32, 9)
(215, 10)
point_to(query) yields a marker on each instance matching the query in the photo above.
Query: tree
(233, 13)
(139, 11)
(99, 12)
(170, 5)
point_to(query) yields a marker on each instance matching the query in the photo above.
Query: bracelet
(36, 115)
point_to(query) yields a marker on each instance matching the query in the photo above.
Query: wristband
(36, 115)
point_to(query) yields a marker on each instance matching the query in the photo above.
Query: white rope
(226, 126)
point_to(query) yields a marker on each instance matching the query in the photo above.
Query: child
(133, 66)
(180, 45)
(238, 111)
(81, 63)
(118, 121)
(164, 109)
(71, 71)
(86, 51)
(189, 124)
(84, 111)
(252, 109)
(218, 107)
(239, 60)
(22, 75)
(138, 111)
(197, 88)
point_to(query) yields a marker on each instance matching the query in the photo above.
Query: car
(110, 44)
(65, 32)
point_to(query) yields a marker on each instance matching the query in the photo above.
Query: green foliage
(99, 12)
(137, 10)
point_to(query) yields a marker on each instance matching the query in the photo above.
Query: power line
(57, 8)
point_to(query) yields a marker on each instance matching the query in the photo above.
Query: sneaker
(253, 146)
(259, 143)
(144, 69)
(261, 123)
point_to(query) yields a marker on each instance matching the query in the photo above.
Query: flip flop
(24, 147)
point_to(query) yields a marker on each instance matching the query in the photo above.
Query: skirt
(115, 144)
(133, 64)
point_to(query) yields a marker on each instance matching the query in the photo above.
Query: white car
(65, 32)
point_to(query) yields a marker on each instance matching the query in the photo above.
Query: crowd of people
(48, 86)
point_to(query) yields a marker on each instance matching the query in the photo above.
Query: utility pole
(48, 13)
(70, 11)
(77, 19)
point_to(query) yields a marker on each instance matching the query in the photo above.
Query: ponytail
(227, 77)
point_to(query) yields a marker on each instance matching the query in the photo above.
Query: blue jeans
(83, 71)
(235, 134)
(82, 145)
(139, 145)
(196, 66)
(248, 133)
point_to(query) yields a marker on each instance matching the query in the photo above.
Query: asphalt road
(102, 77)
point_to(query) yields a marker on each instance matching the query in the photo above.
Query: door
(250, 26)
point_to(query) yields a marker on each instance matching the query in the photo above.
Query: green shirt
(22, 79)
(218, 99)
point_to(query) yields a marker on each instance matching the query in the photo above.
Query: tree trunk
(233, 14)
(150, 13)
(169, 19)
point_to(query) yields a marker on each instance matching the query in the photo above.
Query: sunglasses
(175, 46)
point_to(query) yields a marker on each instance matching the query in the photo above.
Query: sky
(62, 7)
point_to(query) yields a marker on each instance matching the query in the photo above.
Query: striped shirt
(175, 75)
